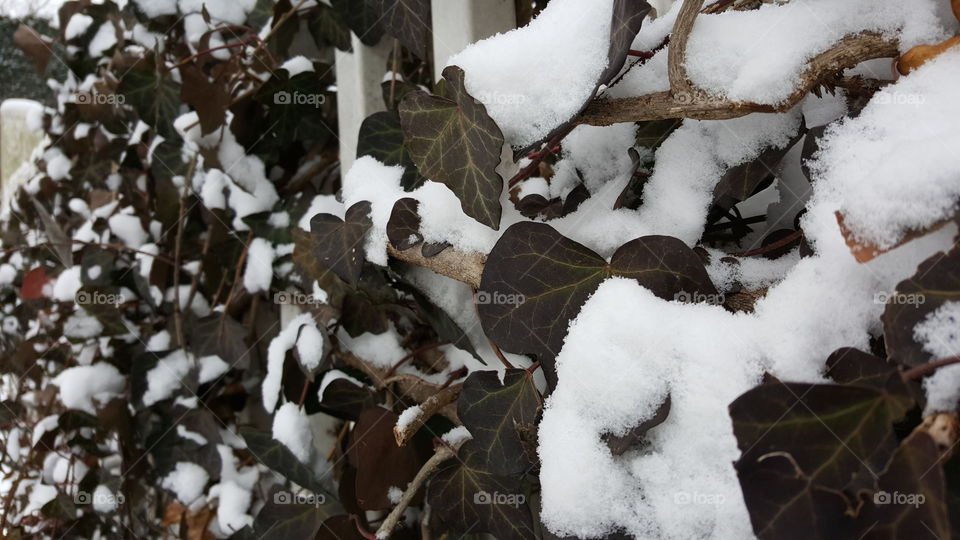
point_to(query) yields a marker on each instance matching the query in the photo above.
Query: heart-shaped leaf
(492, 411)
(403, 227)
(380, 463)
(920, 305)
(155, 97)
(363, 17)
(628, 16)
(850, 366)
(535, 281)
(278, 458)
(408, 21)
(337, 243)
(468, 498)
(453, 140)
(382, 137)
(834, 433)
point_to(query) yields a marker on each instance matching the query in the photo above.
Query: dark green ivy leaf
(362, 17)
(851, 366)
(409, 22)
(935, 283)
(535, 281)
(155, 97)
(453, 140)
(403, 227)
(278, 458)
(469, 498)
(338, 244)
(493, 412)
(381, 137)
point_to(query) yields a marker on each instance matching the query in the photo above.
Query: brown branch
(459, 265)
(924, 370)
(677, 54)
(428, 408)
(442, 454)
(848, 52)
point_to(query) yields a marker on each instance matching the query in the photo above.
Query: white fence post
(17, 140)
(359, 75)
(458, 23)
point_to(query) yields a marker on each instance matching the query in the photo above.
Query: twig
(677, 54)
(538, 157)
(773, 246)
(413, 354)
(699, 105)
(428, 408)
(929, 368)
(503, 359)
(442, 454)
(459, 265)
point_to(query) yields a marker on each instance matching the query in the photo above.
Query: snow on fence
(456, 23)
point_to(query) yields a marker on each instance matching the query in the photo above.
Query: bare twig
(924, 370)
(459, 265)
(428, 408)
(442, 454)
(677, 54)
(699, 105)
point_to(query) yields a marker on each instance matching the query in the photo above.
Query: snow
(82, 326)
(906, 131)
(233, 491)
(187, 481)
(321, 204)
(128, 229)
(535, 78)
(292, 428)
(191, 435)
(333, 375)
(456, 436)
(157, 8)
(105, 38)
(758, 55)
(259, 271)
(67, 285)
(297, 65)
(83, 387)
(301, 332)
(167, 376)
(77, 26)
(383, 350)
(211, 367)
(939, 332)
(104, 500)
(408, 416)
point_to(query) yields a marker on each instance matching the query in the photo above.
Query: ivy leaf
(278, 458)
(833, 433)
(325, 26)
(219, 335)
(911, 502)
(363, 17)
(338, 243)
(408, 21)
(380, 463)
(851, 366)
(295, 107)
(209, 99)
(492, 412)
(453, 140)
(741, 182)
(467, 497)
(403, 227)
(155, 97)
(37, 49)
(628, 16)
(620, 444)
(784, 503)
(344, 399)
(535, 281)
(382, 137)
(935, 283)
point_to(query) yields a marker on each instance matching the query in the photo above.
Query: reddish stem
(929, 368)
(533, 367)
(783, 242)
(552, 147)
(407, 358)
(362, 531)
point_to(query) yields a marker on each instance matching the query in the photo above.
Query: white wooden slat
(359, 75)
(458, 23)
